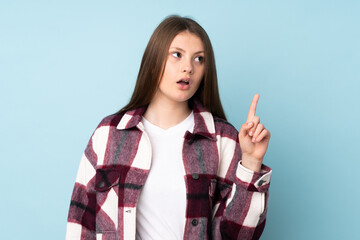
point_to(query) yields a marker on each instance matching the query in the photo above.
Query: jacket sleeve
(242, 205)
(82, 212)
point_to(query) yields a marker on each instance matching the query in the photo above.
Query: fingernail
(249, 124)
(251, 133)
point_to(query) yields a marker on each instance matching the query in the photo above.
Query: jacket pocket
(212, 193)
(106, 182)
(212, 187)
(106, 179)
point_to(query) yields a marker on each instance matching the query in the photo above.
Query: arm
(241, 213)
(246, 207)
(81, 218)
(243, 206)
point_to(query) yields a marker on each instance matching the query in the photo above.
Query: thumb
(245, 129)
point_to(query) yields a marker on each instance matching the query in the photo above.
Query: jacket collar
(204, 121)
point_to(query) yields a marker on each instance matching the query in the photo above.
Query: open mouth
(183, 82)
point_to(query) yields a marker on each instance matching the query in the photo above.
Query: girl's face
(184, 68)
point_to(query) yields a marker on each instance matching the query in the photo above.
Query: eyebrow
(182, 50)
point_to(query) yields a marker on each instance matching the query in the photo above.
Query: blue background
(64, 65)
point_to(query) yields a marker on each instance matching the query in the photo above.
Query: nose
(187, 67)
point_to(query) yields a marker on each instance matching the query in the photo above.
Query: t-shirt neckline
(188, 120)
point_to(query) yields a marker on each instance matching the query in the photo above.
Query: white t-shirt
(162, 202)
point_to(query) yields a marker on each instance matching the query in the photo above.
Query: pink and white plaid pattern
(224, 199)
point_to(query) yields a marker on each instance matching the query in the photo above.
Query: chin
(183, 98)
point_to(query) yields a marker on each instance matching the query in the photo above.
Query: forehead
(187, 41)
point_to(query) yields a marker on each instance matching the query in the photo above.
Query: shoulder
(224, 128)
(106, 124)
(111, 120)
(122, 120)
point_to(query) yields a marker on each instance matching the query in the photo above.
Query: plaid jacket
(224, 199)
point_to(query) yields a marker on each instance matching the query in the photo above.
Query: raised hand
(254, 139)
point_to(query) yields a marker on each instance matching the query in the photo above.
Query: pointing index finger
(252, 108)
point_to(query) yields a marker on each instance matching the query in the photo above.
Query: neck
(166, 114)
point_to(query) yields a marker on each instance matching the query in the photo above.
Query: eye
(176, 54)
(199, 59)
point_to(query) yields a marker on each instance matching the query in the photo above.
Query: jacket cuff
(254, 181)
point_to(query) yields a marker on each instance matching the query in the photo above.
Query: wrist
(251, 163)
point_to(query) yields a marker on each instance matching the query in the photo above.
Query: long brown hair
(153, 65)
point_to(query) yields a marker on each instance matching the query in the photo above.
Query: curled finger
(256, 121)
(264, 134)
(245, 129)
(260, 127)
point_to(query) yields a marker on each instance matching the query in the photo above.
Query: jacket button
(195, 176)
(261, 182)
(194, 222)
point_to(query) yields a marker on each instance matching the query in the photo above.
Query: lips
(184, 81)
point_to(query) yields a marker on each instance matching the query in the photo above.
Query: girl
(168, 165)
